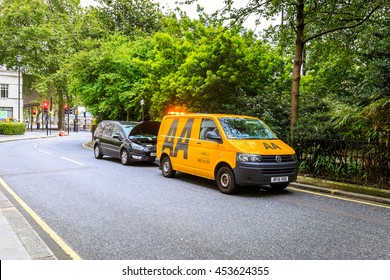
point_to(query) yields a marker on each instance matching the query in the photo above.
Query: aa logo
(182, 141)
(272, 146)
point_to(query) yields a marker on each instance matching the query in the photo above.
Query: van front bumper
(250, 173)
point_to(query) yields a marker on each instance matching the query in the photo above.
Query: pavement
(20, 241)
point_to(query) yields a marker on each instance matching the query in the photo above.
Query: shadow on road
(243, 191)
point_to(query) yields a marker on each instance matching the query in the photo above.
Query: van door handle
(198, 143)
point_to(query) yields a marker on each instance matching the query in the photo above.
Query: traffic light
(34, 111)
(66, 109)
(45, 106)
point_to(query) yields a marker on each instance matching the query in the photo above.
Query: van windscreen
(245, 128)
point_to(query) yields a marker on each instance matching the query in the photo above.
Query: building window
(4, 90)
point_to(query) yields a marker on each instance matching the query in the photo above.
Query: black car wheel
(125, 157)
(97, 152)
(166, 168)
(225, 180)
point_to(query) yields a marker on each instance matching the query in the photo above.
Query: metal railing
(350, 161)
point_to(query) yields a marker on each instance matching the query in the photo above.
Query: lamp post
(19, 59)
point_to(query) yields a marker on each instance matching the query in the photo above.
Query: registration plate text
(279, 179)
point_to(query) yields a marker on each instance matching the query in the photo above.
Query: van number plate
(279, 179)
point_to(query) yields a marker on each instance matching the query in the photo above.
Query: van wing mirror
(212, 135)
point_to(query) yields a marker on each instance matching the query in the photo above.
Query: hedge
(12, 128)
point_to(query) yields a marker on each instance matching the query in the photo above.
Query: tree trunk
(299, 45)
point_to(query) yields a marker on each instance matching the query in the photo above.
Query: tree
(208, 68)
(344, 91)
(42, 32)
(129, 17)
(308, 20)
(107, 79)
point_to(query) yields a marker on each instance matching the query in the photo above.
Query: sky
(210, 6)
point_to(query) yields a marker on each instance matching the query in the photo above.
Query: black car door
(116, 140)
(105, 138)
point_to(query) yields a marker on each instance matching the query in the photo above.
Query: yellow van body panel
(263, 147)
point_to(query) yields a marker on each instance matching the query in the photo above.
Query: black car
(128, 141)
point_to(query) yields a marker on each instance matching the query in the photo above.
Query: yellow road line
(341, 198)
(41, 223)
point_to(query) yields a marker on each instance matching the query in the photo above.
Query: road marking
(42, 151)
(64, 158)
(41, 223)
(71, 160)
(342, 198)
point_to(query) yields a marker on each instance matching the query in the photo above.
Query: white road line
(71, 160)
(42, 151)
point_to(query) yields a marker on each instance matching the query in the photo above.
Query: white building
(10, 101)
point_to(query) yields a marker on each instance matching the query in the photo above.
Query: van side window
(207, 125)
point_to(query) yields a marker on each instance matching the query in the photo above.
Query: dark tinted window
(99, 128)
(117, 131)
(107, 129)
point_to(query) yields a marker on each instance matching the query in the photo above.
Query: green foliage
(43, 33)
(112, 56)
(188, 65)
(107, 79)
(344, 92)
(212, 69)
(12, 128)
(129, 17)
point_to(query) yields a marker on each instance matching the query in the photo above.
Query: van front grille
(285, 158)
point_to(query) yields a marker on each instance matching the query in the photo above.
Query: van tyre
(97, 152)
(125, 157)
(166, 168)
(279, 186)
(225, 180)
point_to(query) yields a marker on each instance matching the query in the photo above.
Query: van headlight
(139, 147)
(248, 157)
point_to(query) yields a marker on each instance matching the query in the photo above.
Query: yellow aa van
(230, 149)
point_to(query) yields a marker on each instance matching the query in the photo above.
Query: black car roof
(121, 122)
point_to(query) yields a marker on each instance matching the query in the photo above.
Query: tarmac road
(104, 210)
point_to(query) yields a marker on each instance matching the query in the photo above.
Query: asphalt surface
(104, 210)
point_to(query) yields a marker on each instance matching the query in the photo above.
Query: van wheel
(225, 180)
(166, 168)
(125, 157)
(279, 186)
(97, 152)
